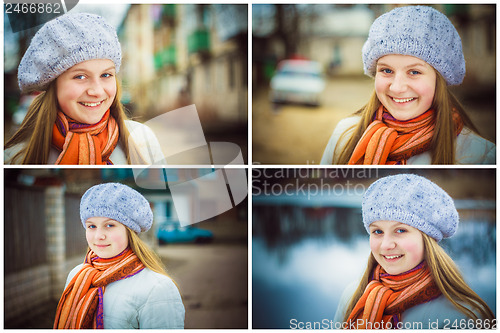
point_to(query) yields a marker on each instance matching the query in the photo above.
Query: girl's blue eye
(414, 72)
(106, 75)
(110, 225)
(91, 226)
(400, 231)
(386, 71)
(79, 77)
(377, 232)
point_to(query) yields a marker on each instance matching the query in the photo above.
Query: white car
(297, 81)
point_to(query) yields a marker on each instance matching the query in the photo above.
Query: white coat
(145, 300)
(470, 147)
(437, 313)
(143, 137)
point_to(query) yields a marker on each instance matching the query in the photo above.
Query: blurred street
(212, 281)
(298, 134)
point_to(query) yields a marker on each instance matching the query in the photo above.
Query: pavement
(298, 134)
(213, 281)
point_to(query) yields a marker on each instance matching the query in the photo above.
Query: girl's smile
(397, 247)
(105, 236)
(405, 85)
(87, 90)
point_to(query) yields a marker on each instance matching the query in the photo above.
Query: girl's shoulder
(437, 313)
(140, 131)
(339, 139)
(474, 149)
(148, 283)
(146, 141)
(9, 153)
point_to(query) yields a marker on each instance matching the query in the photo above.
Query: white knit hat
(64, 42)
(118, 202)
(412, 200)
(418, 31)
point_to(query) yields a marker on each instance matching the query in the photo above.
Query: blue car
(172, 232)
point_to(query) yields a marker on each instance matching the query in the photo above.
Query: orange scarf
(83, 143)
(81, 304)
(387, 296)
(390, 141)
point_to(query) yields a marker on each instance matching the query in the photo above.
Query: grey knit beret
(118, 202)
(412, 200)
(64, 42)
(418, 31)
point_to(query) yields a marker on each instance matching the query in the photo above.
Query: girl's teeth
(90, 104)
(392, 257)
(402, 100)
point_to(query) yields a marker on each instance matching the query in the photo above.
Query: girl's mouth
(393, 257)
(101, 246)
(402, 100)
(93, 104)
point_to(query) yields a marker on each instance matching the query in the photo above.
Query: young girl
(410, 281)
(414, 53)
(122, 283)
(78, 118)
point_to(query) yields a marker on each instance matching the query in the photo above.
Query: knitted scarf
(81, 304)
(390, 141)
(387, 296)
(84, 143)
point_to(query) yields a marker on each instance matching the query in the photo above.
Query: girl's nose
(388, 243)
(398, 84)
(95, 89)
(100, 234)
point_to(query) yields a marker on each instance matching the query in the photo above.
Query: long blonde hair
(36, 129)
(447, 277)
(443, 141)
(147, 256)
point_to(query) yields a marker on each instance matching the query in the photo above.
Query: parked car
(172, 232)
(297, 81)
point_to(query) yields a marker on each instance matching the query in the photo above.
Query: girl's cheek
(414, 250)
(374, 244)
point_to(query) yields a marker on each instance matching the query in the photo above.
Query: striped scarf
(390, 141)
(81, 304)
(387, 296)
(84, 143)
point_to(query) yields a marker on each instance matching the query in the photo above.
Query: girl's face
(87, 90)
(397, 247)
(105, 236)
(405, 85)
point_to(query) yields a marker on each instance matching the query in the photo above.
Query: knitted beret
(418, 31)
(64, 42)
(118, 202)
(412, 200)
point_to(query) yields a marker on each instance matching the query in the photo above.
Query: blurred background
(173, 55)
(294, 127)
(309, 242)
(44, 239)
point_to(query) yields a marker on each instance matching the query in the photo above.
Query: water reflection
(304, 257)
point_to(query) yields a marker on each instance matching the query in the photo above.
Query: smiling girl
(414, 53)
(122, 283)
(78, 118)
(410, 281)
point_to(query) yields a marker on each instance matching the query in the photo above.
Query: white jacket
(143, 137)
(470, 147)
(145, 300)
(438, 313)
